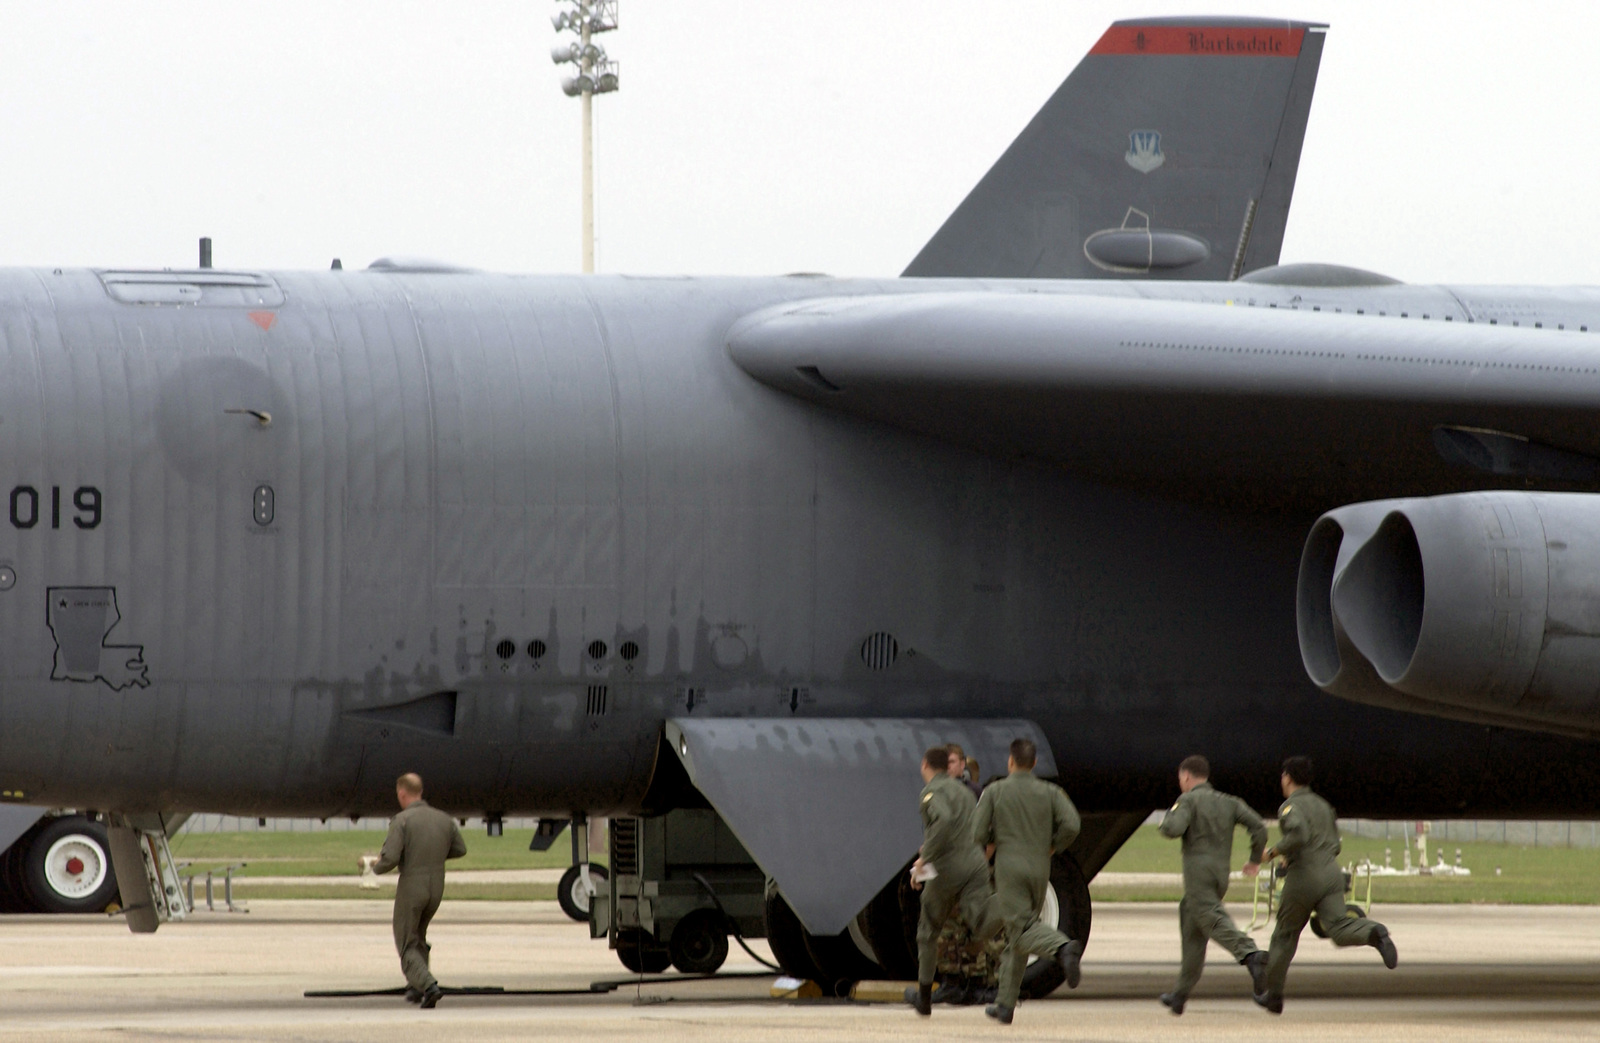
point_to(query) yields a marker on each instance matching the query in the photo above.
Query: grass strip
(1529, 875)
(339, 853)
(245, 891)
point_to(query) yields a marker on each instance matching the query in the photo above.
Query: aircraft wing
(1251, 408)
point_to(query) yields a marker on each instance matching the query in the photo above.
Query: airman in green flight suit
(1023, 820)
(1205, 818)
(420, 840)
(961, 873)
(1313, 883)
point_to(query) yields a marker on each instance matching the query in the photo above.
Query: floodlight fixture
(595, 74)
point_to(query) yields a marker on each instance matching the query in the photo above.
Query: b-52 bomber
(720, 557)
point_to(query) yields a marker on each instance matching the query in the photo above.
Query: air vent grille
(597, 700)
(879, 651)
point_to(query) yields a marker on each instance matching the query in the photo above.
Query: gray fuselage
(511, 524)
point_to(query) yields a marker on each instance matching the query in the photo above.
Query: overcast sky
(1448, 141)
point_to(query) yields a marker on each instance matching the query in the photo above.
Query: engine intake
(1478, 606)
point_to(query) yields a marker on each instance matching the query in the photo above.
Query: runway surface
(1467, 973)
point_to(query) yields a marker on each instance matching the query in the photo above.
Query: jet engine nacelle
(1478, 606)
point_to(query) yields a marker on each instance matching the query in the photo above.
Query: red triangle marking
(264, 319)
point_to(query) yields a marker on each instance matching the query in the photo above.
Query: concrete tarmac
(1466, 973)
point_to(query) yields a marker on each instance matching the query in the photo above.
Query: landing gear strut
(581, 882)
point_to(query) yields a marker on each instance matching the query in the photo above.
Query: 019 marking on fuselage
(27, 504)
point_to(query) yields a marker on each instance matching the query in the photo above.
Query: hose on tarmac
(733, 928)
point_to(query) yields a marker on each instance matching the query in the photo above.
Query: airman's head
(1296, 774)
(408, 789)
(1023, 756)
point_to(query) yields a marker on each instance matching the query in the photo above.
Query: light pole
(596, 74)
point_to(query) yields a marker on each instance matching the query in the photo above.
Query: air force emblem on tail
(1144, 151)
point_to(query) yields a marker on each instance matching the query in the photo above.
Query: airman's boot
(922, 999)
(1067, 956)
(1271, 1002)
(1385, 945)
(1256, 964)
(1001, 1014)
(1173, 1002)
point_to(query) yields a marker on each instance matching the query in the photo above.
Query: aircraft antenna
(595, 73)
(1237, 268)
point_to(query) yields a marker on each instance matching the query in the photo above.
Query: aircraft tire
(66, 867)
(13, 896)
(699, 943)
(1073, 915)
(786, 939)
(890, 934)
(840, 961)
(641, 953)
(571, 894)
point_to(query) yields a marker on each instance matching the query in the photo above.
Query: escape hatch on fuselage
(204, 287)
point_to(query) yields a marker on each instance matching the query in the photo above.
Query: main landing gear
(881, 941)
(61, 865)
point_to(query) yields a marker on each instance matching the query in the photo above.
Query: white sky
(1448, 141)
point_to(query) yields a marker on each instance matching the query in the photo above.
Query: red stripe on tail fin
(1199, 39)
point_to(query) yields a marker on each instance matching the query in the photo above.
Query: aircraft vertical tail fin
(1169, 152)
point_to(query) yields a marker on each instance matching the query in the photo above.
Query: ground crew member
(961, 873)
(1313, 882)
(420, 839)
(969, 968)
(1022, 820)
(1205, 819)
(959, 770)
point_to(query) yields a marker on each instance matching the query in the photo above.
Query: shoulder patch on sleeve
(927, 797)
(1175, 805)
(1284, 811)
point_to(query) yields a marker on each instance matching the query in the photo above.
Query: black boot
(1271, 1002)
(430, 996)
(1173, 1002)
(1067, 956)
(1381, 941)
(1256, 964)
(999, 1013)
(921, 999)
(413, 995)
